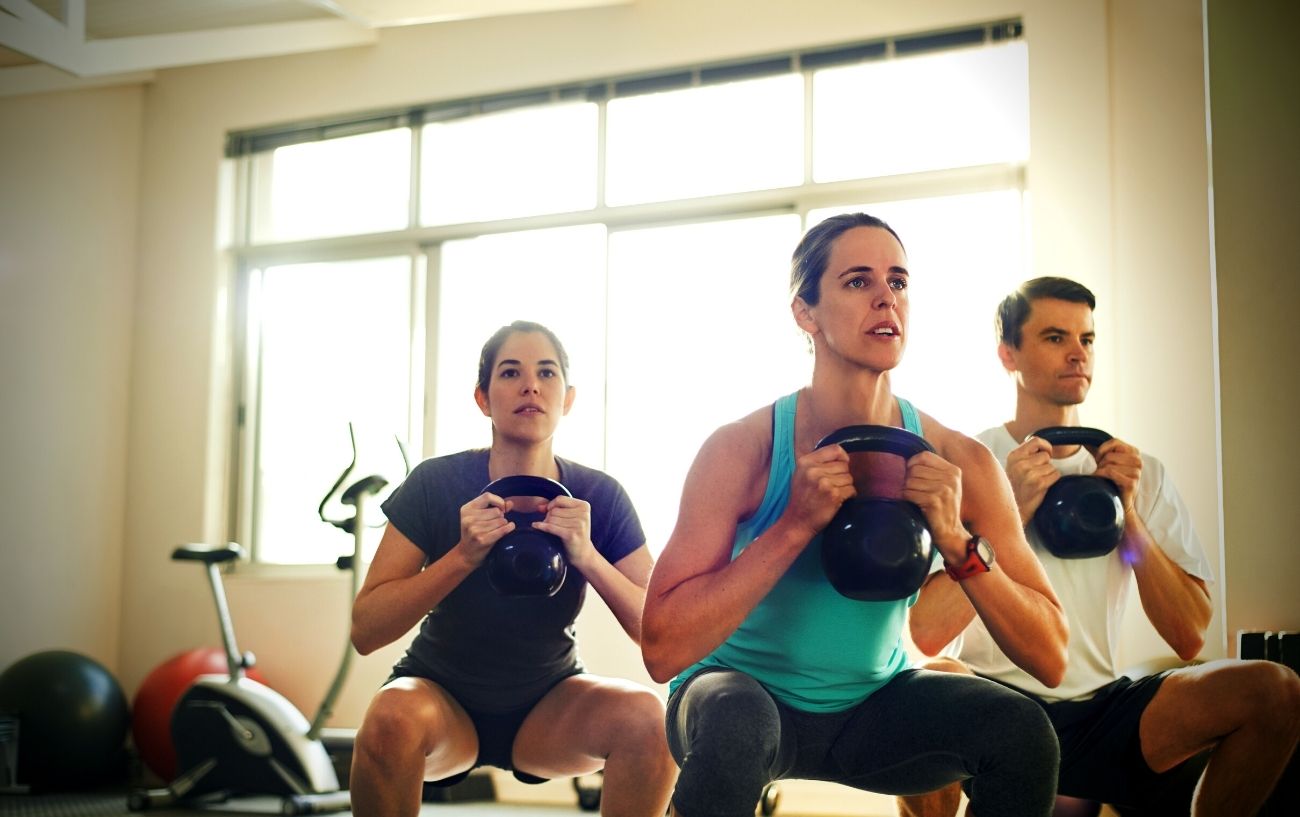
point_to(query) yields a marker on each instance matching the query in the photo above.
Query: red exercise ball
(157, 696)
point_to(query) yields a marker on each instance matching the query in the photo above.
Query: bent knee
(386, 729)
(1025, 727)
(718, 700)
(640, 719)
(727, 713)
(1279, 701)
(402, 720)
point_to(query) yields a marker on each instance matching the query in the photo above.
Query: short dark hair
(813, 253)
(1014, 309)
(488, 357)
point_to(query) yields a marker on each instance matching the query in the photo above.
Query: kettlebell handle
(1072, 435)
(526, 485)
(888, 439)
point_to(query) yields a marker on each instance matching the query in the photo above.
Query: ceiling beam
(74, 18)
(63, 44)
(28, 30)
(385, 13)
(221, 45)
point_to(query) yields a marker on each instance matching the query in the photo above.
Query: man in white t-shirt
(1210, 739)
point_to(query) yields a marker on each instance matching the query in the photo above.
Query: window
(920, 113)
(481, 167)
(704, 141)
(649, 222)
(555, 277)
(703, 336)
(333, 348)
(356, 184)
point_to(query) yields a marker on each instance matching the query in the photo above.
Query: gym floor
(114, 805)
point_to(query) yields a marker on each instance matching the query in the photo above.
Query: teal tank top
(811, 648)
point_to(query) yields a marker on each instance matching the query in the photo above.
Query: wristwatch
(979, 558)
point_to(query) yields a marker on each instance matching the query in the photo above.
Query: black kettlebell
(877, 549)
(526, 561)
(1081, 516)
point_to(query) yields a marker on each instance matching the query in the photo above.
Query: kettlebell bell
(877, 549)
(526, 561)
(1081, 516)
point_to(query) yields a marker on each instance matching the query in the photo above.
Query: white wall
(1256, 128)
(1158, 291)
(1117, 170)
(69, 185)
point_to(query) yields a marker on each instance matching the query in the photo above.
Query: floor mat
(62, 805)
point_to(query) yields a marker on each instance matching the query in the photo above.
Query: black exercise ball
(72, 720)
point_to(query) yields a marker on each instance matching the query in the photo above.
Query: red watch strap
(973, 565)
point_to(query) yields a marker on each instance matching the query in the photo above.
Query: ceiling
(69, 42)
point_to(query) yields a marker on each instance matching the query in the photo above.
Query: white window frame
(422, 245)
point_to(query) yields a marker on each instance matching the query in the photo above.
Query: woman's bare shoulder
(744, 438)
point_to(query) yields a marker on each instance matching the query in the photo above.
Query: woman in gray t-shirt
(494, 679)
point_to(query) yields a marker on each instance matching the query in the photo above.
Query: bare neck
(1033, 414)
(833, 402)
(506, 459)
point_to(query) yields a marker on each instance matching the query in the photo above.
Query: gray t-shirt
(496, 653)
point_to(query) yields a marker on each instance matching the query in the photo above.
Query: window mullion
(413, 190)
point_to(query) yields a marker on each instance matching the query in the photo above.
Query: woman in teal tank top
(773, 674)
(856, 646)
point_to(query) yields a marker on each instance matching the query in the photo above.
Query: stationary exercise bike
(234, 736)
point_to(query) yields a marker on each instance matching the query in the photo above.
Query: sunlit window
(514, 163)
(700, 335)
(704, 141)
(355, 184)
(335, 348)
(553, 277)
(652, 232)
(951, 109)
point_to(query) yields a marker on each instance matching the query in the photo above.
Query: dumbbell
(1081, 516)
(877, 549)
(526, 561)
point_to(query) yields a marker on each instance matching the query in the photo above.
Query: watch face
(984, 550)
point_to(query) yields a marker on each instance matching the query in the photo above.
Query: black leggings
(919, 732)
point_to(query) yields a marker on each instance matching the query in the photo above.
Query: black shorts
(1101, 751)
(496, 735)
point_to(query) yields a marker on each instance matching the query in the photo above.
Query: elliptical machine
(234, 736)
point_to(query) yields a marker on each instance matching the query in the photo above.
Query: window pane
(509, 164)
(553, 277)
(703, 141)
(952, 109)
(356, 184)
(700, 333)
(964, 253)
(335, 347)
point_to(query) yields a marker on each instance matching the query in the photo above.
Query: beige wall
(69, 186)
(1160, 359)
(1118, 174)
(1256, 128)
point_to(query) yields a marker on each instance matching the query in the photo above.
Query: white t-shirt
(1093, 592)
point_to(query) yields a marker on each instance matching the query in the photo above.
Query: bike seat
(208, 554)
